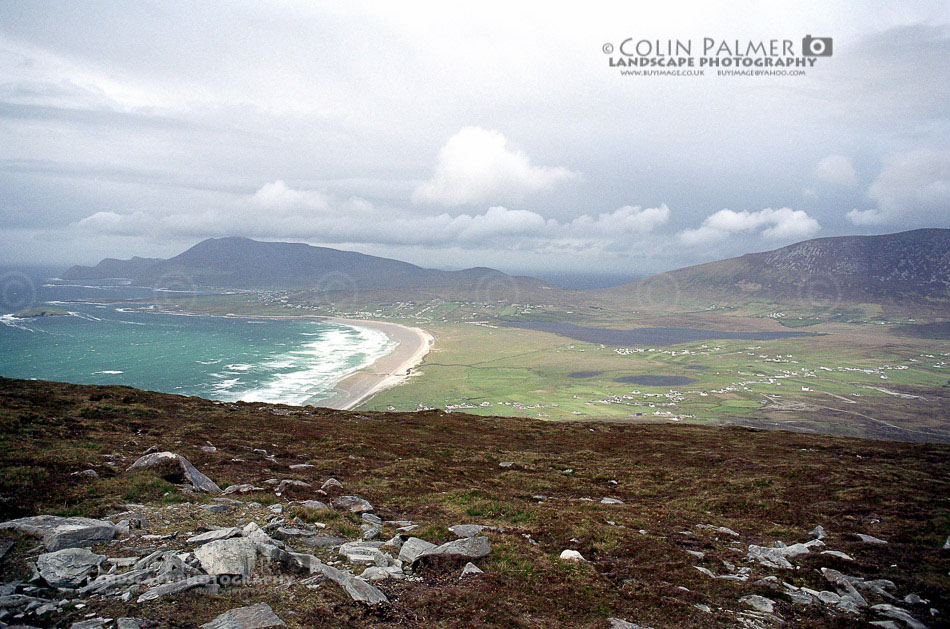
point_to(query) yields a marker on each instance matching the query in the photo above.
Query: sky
(489, 134)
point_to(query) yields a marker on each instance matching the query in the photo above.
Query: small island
(33, 313)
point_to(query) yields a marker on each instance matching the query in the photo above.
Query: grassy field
(861, 373)
(440, 469)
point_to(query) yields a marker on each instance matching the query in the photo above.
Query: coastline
(388, 371)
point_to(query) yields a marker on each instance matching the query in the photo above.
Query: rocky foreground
(133, 509)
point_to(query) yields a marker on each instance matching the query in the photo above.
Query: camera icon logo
(816, 46)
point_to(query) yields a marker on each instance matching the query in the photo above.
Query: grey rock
(216, 534)
(946, 544)
(59, 532)
(302, 466)
(68, 568)
(241, 489)
(778, 557)
(611, 501)
(466, 530)
(313, 504)
(899, 614)
(236, 555)
(107, 582)
(176, 587)
(321, 541)
(284, 484)
(618, 623)
(471, 569)
(412, 548)
(378, 573)
(5, 546)
(251, 617)
(465, 548)
(371, 518)
(838, 554)
(134, 623)
(356, 588)
(870, 539)
(506, 464)
(818, 532)
(331, 483)
(92, 623)
(216, 508)
(759, 603)
(369, 531)
(353, 504)
(176, 468)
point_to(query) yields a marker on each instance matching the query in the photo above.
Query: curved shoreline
(387, 371)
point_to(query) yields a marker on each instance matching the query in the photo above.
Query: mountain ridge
(910, 265)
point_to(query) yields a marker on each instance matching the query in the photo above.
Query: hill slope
(673, 487)
(911, 266)
(246, 263)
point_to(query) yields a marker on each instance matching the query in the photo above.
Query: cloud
(279, 211)
(278, 197)
(781, 224)
(837, 169)
(476, 165)
(867, 217)
(913, 187)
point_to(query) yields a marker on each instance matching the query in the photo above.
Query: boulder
(471, 569)
(214, 535)
(465, 548)
(466, 530)
(59, 532)
(236, 555)
(356, 588)
(289, 483)
(818, 532)
(68, 568)
(412, 548)
(331, 483)
(353, 504)
(251, 617)
(241, 489)
(176, 469)
(571, 555)
(870, 539)
(313, 504)
(759, 603)
(176, 587)
(778, 557)
(611, 501)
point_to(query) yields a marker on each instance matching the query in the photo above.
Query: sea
(105, 341)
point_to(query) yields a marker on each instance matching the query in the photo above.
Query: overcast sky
(492, 134)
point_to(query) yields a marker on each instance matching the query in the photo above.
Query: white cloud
(913, 187)
(278, 211)
(837, 169)
(867, 217)
(781, 224)
(476, 165)
(278, 197)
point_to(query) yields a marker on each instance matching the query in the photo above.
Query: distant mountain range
(246, 263)
(911, 266)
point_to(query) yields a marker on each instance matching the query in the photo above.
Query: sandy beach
(388, 371)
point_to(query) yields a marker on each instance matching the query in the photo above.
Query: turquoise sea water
(222, 358)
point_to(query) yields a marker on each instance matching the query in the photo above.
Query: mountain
(910, 266)
(246, 263)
